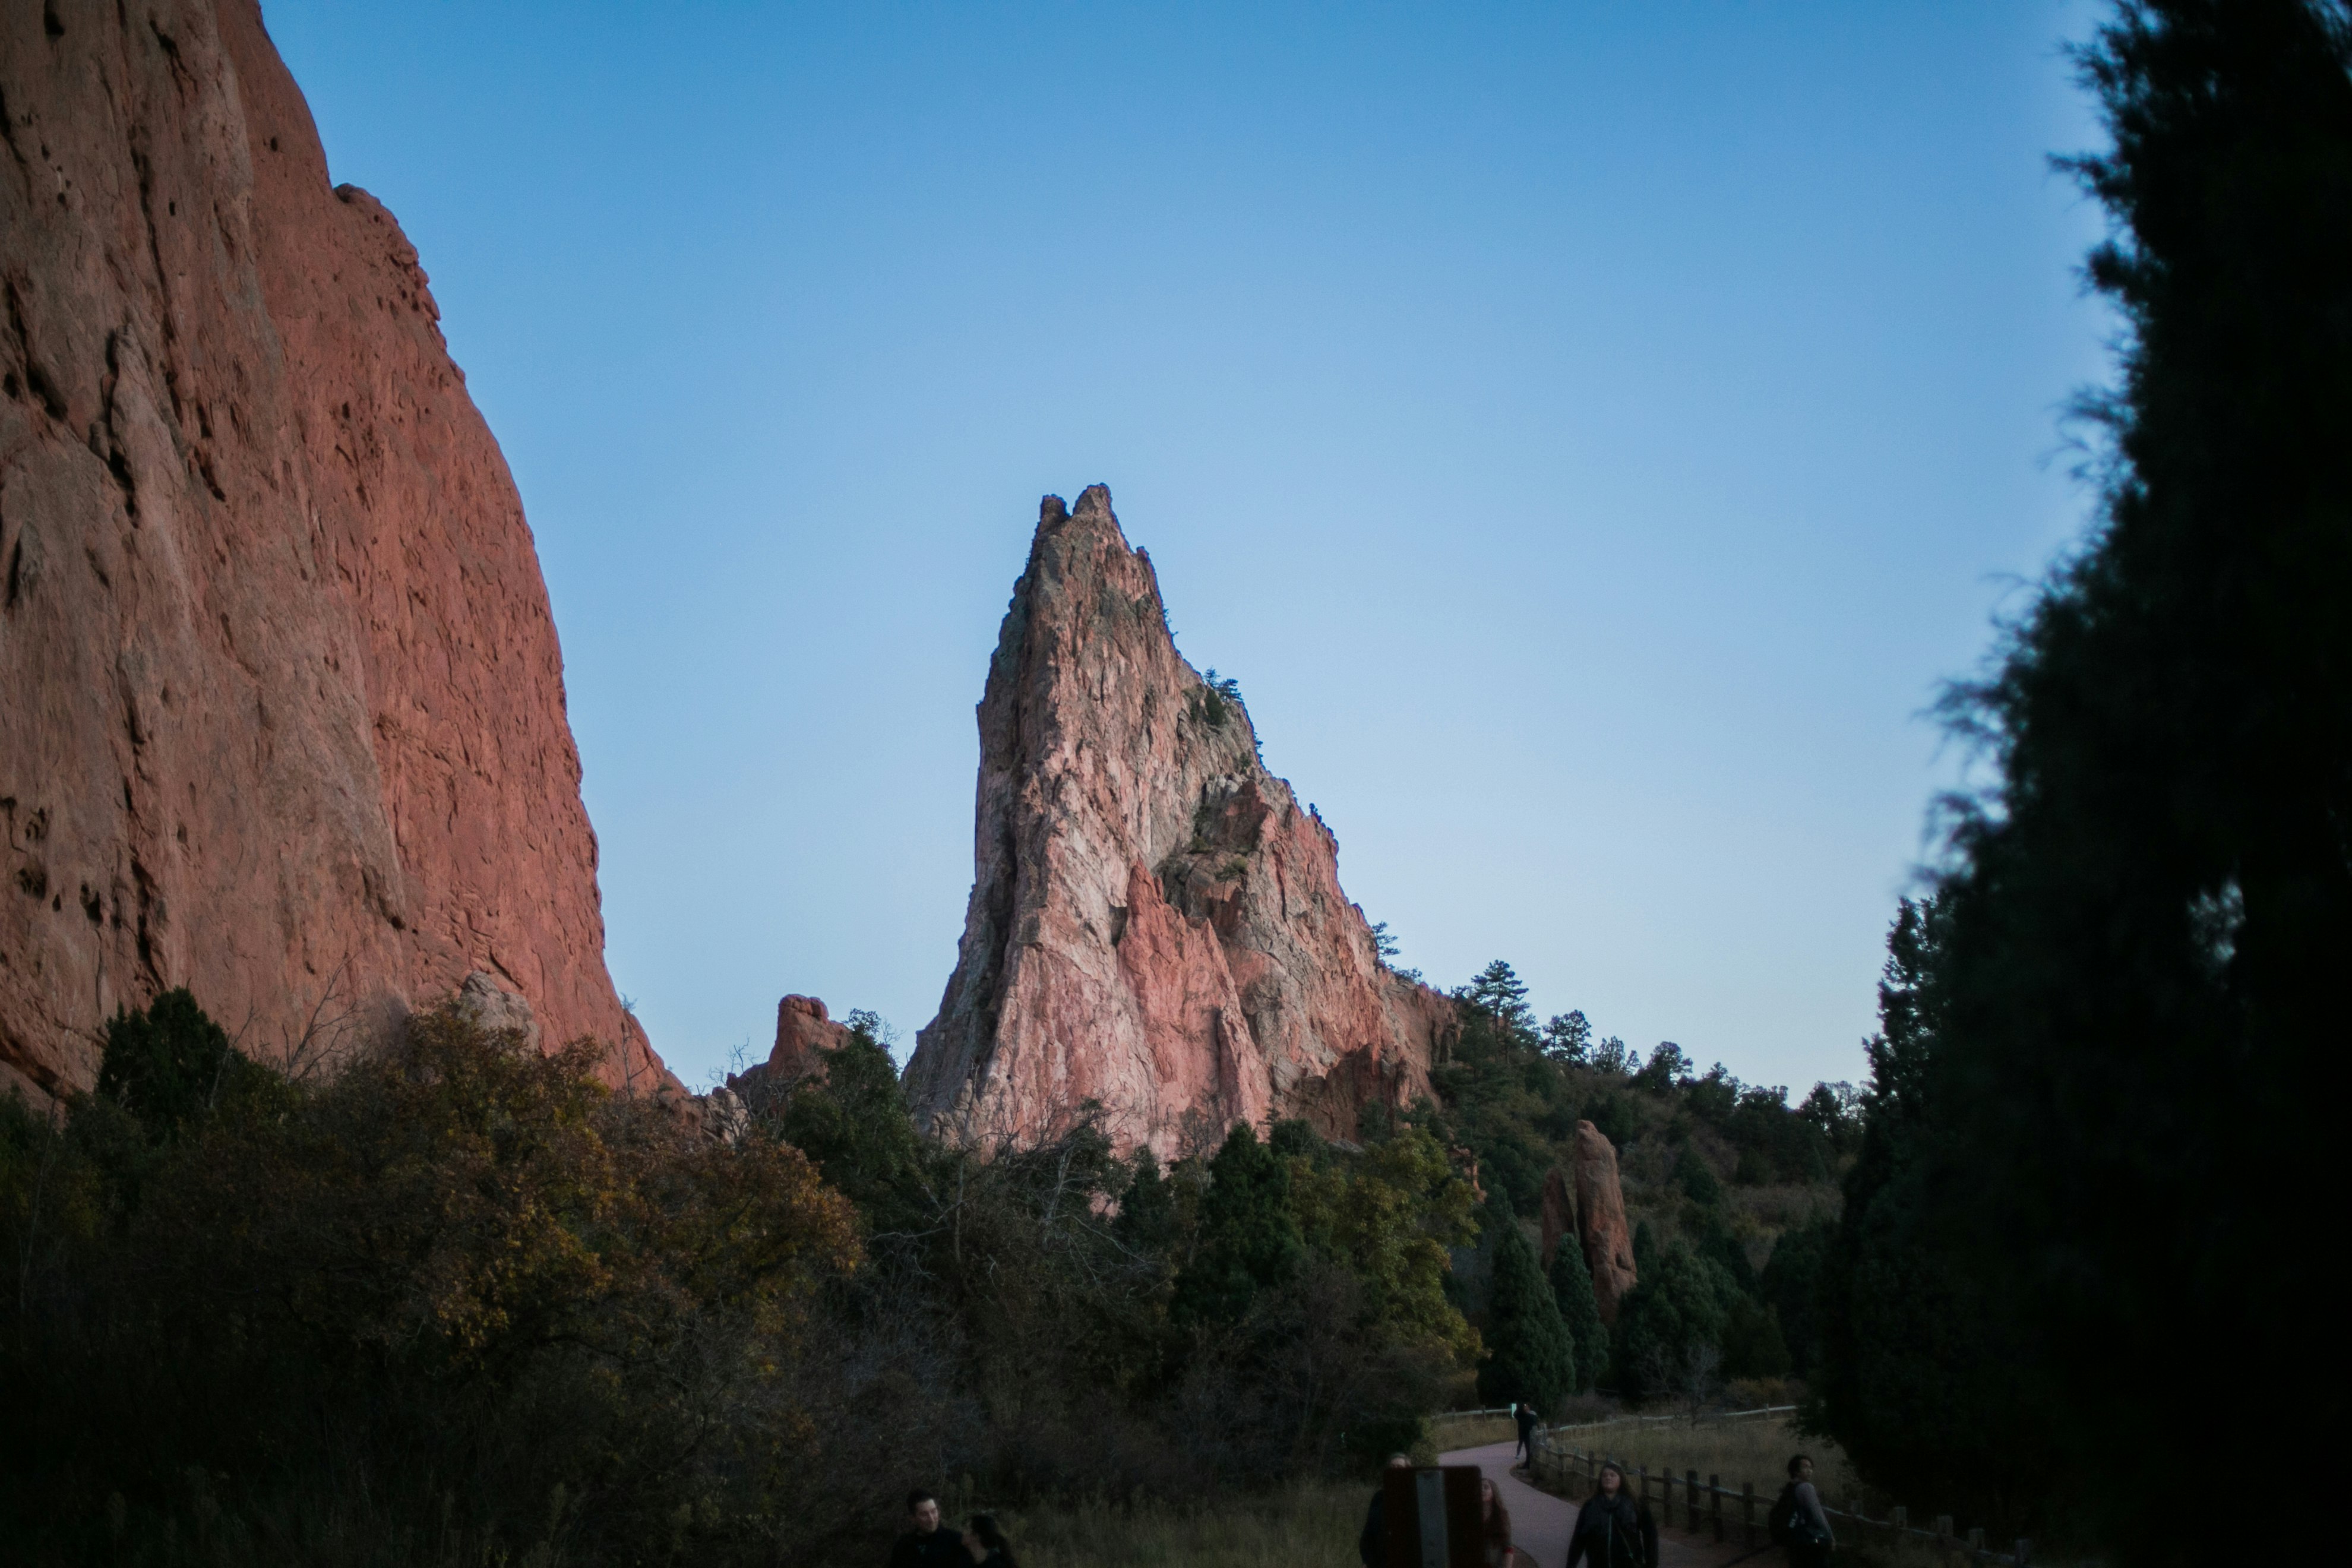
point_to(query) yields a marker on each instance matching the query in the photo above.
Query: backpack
(1782, 1522)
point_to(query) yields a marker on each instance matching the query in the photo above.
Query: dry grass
(1755, 1449)
(1447, 1433)
(1315, 1524)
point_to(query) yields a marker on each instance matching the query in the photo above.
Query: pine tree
(1248, 1239)
(1531, 1360)
(2135, 981)
(1571, 1291)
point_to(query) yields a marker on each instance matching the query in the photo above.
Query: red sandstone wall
(281, 705)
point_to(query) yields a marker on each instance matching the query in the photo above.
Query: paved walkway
(1540, 1523)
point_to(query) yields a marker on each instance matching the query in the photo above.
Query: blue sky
(1589, 433)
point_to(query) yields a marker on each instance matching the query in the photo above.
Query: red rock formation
(1559, 1212)
(1600, 1219)
(281, 709)
(1155, 923)
(805, 1035)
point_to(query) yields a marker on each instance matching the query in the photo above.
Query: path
(1540, 1523)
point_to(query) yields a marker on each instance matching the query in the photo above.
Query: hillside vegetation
(1731, 1190)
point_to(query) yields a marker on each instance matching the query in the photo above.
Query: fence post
(1747, 1515)
(1690, 1499)
(1643, 1493)
(1715, 1503)
(1943, 1532)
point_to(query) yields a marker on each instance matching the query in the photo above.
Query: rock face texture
(1156, 924)
(1559, 1212)
(1601, 1220)
(281, 707)
(805, 1035)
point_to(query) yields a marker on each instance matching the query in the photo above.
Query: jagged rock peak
(1155, 926)
(281, 707)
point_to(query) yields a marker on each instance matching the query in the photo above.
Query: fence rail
(1702, 1504)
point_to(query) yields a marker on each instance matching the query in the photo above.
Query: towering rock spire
(1156, 924)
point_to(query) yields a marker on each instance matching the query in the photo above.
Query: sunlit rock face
(1585, 1206)
(281, 707)
(1156, 923)
(1601, 1220)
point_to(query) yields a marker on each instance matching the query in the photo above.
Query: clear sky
(1589, 433)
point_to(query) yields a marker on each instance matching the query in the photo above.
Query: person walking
(1797, 1523)
(1494, 1525)
(1612, 1528)
(1523, 1415)
(925, 1544)
(1372, 1545)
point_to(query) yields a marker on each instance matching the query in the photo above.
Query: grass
(1755, 1449)
(1447, 1433)
(1312, 1523)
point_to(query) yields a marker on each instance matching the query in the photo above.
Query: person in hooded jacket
(1612, 1528)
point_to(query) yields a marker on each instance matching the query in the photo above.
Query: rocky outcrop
(1559, 1212)
(1600, 1219)
(805, 1035)
(1156, 923)
(281, 707)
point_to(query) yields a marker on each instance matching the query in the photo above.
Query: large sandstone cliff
(1156, 924)
(281, 707)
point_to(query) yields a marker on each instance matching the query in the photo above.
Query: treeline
(1728, 1188)
(2079, 1236)
(460, 1304)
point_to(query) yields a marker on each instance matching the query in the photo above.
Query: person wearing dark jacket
(1372, 1545)
(986, 1542)
(1612, 1529)
(1523, 1415)
(925, 1546)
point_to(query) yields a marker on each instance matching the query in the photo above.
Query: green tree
(170, 1064)
(1499, 995)
(1567, 1038)
(854, 1123)
(1670, 1326)
(1532, 1359)
(1248, 1238)
(1571, 1289)
(1790, 1284)
(1147, 1210)
(2147, 915)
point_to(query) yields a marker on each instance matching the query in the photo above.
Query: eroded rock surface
(281, 707)
(805, 1035)
(1156, 923)
(1600, 1219)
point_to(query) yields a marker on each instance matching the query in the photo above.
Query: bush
(462, 1294)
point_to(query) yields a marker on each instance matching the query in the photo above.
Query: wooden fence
(1576, 1472)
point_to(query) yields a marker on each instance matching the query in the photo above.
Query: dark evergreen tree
(1571, 1289)
(170, 1064)
(1530, 1358)
(1147, 1210)
(1248, 1239)
(1789, 1285)
(2143, 925)
(1670, 1326)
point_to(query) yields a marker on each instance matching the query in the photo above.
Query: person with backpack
(1797, 1523)
(1614, 1530)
